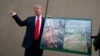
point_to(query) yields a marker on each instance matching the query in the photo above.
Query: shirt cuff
(14, 13)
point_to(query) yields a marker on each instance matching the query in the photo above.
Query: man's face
(37, 10)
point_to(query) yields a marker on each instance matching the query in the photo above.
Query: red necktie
(36, 33)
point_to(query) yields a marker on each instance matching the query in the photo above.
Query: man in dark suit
(32, 38)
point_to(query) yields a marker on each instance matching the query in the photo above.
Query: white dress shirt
(40, 19)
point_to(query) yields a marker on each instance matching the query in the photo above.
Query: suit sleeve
(19, 21)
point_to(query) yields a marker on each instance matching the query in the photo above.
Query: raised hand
(11, 12)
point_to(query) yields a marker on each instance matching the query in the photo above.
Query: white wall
(11, 35)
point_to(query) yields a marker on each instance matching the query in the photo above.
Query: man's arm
(17, 19)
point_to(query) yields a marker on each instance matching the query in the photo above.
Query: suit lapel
(42, 26)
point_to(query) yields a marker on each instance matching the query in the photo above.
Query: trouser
(33, 51)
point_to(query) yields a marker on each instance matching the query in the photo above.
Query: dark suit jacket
(30, 24)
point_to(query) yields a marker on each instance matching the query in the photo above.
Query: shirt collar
(39, 16)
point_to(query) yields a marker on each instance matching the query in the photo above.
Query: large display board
(67, 34)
